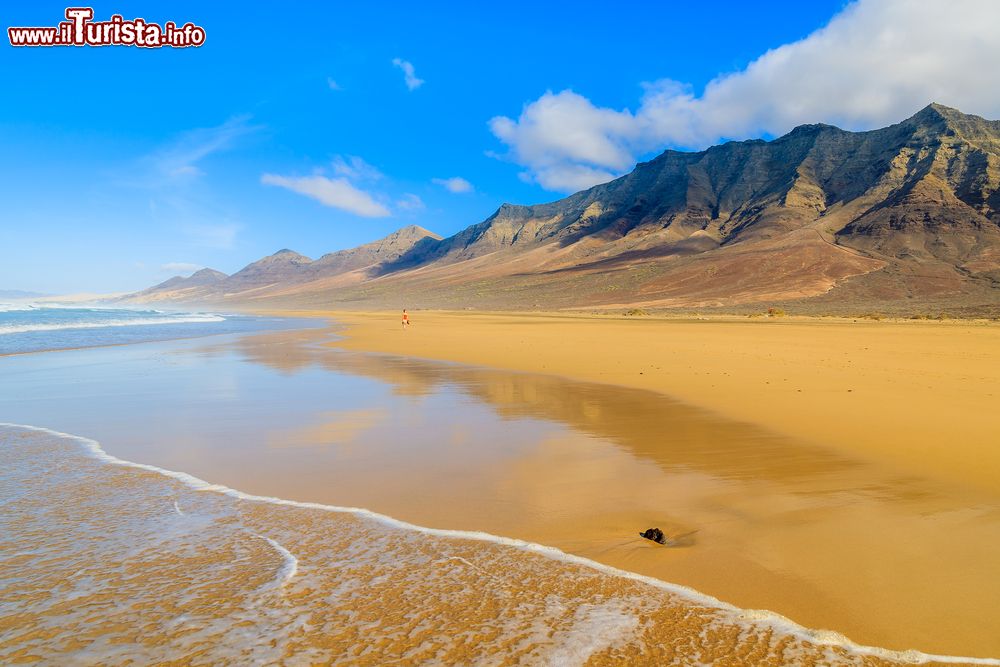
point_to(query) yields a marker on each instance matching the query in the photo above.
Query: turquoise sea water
(28, 327)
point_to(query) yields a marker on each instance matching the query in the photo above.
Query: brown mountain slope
(182, 289)
(907, 212)
(388, 249)
(288, 271)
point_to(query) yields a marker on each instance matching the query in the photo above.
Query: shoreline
(850, 385)
(776, 621)
(758, 506)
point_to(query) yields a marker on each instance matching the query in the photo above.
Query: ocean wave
(55, 305)
(101, 324)
(83, 307)
(822, 638)
(16, 307)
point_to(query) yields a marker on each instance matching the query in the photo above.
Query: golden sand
(921, 396)
(894, 554)
(906, 409)
(163, 573)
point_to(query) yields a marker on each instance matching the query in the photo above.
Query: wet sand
(915, 400)
(170, 570)
(919, 396)
(758, 519)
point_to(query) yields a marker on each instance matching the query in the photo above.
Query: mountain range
(822, 219)
(19, 294)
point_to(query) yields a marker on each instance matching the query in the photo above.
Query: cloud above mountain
(348, 189)
(453, 184)
(875, 62)
(334, 192)
(181, 158)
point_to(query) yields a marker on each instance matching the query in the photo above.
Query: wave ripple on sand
(98, 564)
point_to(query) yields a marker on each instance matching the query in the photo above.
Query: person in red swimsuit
(406, 320)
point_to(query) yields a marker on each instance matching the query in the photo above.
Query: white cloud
(177, 199)
(410, 202)
(332, 84)
(354, 168)
(453, 184)
(179, 159)
(412, 82)
(873, 64)
(333, 192)
(180, 268)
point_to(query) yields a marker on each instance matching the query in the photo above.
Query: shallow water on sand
(757, 520)
(110, 563)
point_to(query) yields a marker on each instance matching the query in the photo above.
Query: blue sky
(298, 125)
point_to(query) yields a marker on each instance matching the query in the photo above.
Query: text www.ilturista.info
(80, 30)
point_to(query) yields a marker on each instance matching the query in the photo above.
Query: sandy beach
(920, 396)
(905, 407)
(284, 583)
(551, 435)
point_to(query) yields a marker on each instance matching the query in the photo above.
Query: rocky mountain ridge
(906, 212)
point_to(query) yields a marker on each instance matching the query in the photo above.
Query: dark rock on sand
(654, 534)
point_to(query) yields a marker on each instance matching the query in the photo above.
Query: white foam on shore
(596, 627)
(88, 307)
(289, 565)
(16, 307)
(776, 621)
(99, 324)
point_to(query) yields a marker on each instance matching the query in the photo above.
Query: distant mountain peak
(939, 115)
(204, 277)
(381, 252)
(410, 231)
(201, 278)
(284, 256)
(208, 274)
(412, 228)
(938, 119)
(933, 113)
(810, 129)
(507, 210)
(942, 110)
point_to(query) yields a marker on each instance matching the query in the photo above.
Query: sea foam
(101, 324)
(289, 566)
(622, 623)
